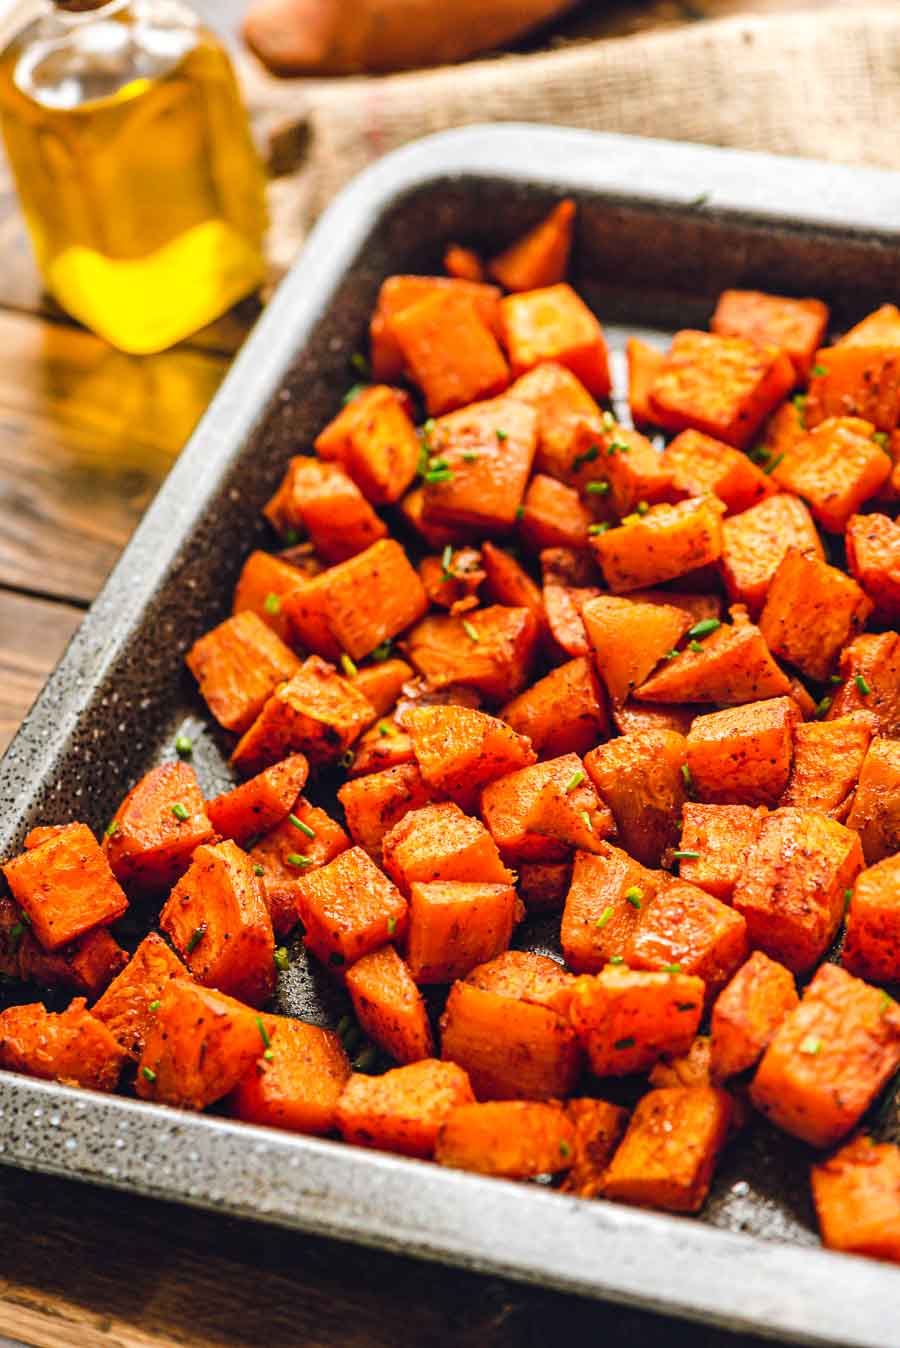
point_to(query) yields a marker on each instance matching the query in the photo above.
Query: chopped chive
(272, 604)
(346, 759)
(436, 464)
(196, 937)
(263, 1033)
(597, 488)
(588, 456)
(385, 729)
(470, 456)
(881, 439)
(770, 467)
(604, 917)
(607, 421)
(575, 780)
(291, 537)
(835, 678)
(360, 364)
(16, 933)
(595, 529)
(381, 653)
(502, 435)
(269, 1055)
(296, 859)
(25, 918)
(155, 1005)
(520, 512)
(259, 870)
(428, 429)
(704, 627)
(695, 647)
(682, 855)
(670, 655)
(862, 685)
(617, 446)
(586, 819)
(348, 666)
(642, 507)
(822, 707)
(353, 393)
(470, 631)
(447, 561)
(819, 371)
(688, 776)
(438, 475)
(565, 1150)
(281, 959)
(391, 925)
(760, 454)
(180, 811)
(635, 896)
(148, 1074)
(617, 959)
(304, 828)
(671, 969)
(184, 747)
(884, 1004)
(848, 896)
(811, 1045)
(111, 828)
(624, 1043)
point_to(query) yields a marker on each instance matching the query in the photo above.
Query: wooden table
(86, 437)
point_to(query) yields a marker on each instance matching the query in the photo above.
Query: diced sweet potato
(829, 1058)
(439, 842)
(238, 666)
(641, 778)
(731, 664)
(667, 542)
(875, 813)
(199, 1045)
(828, 757)
(349, 908)
(218, 920)
(401, 292)
(459, 750)
(479, 464)
(125, 1006)
(701, 465)
(812, 610)
(376, 442)
(65, 887)
(870, 668)
(449, 351)
(792, 889)
(626, 1019)
(873, 556)
(670, 1150)
(511, 1049)
(382, 683)
(571, 813)
(553, 515)
(688, 929)
(384, 745)
(781, 432)
(835, 468)
(412, 509)
(453, 580)
(298, 1084)
(797, 326)
(685, 1069)
(540, 257)
(748, 1012)
(308, 838)
(543, 885)
(872, 947)
(564, 712)
(87, 965)
(715, 843)
(72, 1047)
(317, 713)
(389, 1006)
(507, 805)
(554, 324)
(625, 464)
(403, 1110)
(755, 542)
(852, 380)
(633, 717)
(857, 1198)
(570, 578)
(629, 638)
(321, 500)
(506, 582)
(528, 977)
(644, 365)
(262, 586)
(513, 1139)
(603, 907)
(43, 833)
(456, 925)
(599, 1127)
(375, 803)
(723, 386)
(561, 403)
(156, 829)
(260, 804)
(742, 755)
(463, 263)
(490, 649)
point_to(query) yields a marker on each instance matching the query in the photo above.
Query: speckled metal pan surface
(662, 229)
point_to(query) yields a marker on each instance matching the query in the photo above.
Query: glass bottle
(142, 190)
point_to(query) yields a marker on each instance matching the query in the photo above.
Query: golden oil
(139, 181)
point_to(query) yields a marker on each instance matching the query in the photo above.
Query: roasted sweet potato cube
(322, 500)
(527, 977)
(382, 683)
(261, 589)
(879, 328)
(464, 264)
(317, 713)
(412, 510)
(603, 907)
(747, 1014)
(298, 1083)
(561, 402)
(715, 843)
(686, 928)
(797, 326)
(490, 649)
(629, 638)
(754, 543)
(570, 578)
(870, 668)
(792, 889)
(666, 542)
(507, 804)
(375, 803)
(359, 604)
(553, 515)
(640, 777)
(873, 556)
(86, 966)
(857, 1198)
(349, 908)
(403, 1110)
(732, 664)
(455, 925)
(449, 351)
(480, 461)
(872, 947)
(742, 755)
(564, 712)
(238, 666)
(401, 292)
(835, 468)
(812, 610)
(452, 581)
(65, 887)
(506, 582)
(633, 717)
(571, 813)
(439, 842)
(626, 1019)
(511, 1049)
(543, 885)
(375, 440)
(829, 1058)
(308, 838)
(684, 1069)
(125, 1006)
(852, 380)
(553, 323)
(72, 1047)
(384, 745)
(644, 365)
(157, 828)
(669, 1153)
(828, 758)
(875, 813)
(623, 461)
(781, 432)
(513, 1139)
(540, 257)
(218, 920)
(459, 750)
(702, 466)
(389, 1006)
(199, 1045)
(258, 805)
(599, 1127)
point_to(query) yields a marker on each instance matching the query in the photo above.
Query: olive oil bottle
(142, 190)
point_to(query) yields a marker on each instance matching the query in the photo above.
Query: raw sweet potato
(65, 887)
(835, 468)
(218, 920)
(382, 683)
(389, 1006)
(554, 324)
(564, 712)
(449, 351)
(490, 649)
(72, 1047)
(748, 1012)
(828, 757)
(540, 257)
(715, 843)
(875, 813)
(262, 586)
(308, 838)
(742, 756)
(156, 829)
(797, 326)
(459, 750)
(238, 666)
(439, 842)
(403, 1110)
(322, 500)
(561, 402)
(670, 1150)
(598, 1131)
(514, 1139)
(687, 929)
(644, 365)
(873, 556)
(666, 542)
(543, 885)
(464, 264)
(812, 610)
(640, 777)
(605, 901)
(479, 463)
(857, 1198)
(730, 664)
(375, 440)
(629, 638)
(626, 1019)
(258, 805)
(553, 515)
(754, 543)
(851, 380)
(792, 889)
(297, 1083)
(829, 1058)
(703, 466)
(125, 1007)
(349, 908)
(375, 803)
(872, 947)
(401, 292)
(870, 669)
(507, 805)
(455, 925)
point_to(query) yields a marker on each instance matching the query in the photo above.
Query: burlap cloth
(824, 84)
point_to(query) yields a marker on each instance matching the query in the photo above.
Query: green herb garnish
(197, 936)
(272, 604)
(470, 631)
(184, 747)
(704, 627)
(682, 855)
(635, 896)
(605, 916)
(180, 811)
